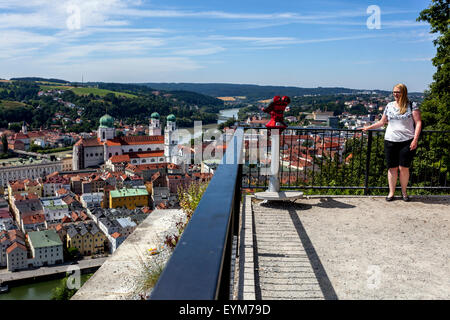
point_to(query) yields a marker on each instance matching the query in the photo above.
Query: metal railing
(317, 159)
(200, 265)
(325, 160)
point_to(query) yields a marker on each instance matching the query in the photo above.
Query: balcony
(323, 246)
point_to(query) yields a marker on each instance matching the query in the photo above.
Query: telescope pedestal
(273, 193)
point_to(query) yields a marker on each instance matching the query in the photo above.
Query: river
(42, 290)
(228, 113)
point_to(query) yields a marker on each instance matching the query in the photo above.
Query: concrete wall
(121, 277)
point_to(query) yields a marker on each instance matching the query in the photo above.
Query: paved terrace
(344, 247)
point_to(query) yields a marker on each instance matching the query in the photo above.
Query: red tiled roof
(66, 219)
(146, 154)
(120, 158)
(116, 235)
(62, 191)
(90, 142)
(4, 213)
(14, 246)
(146, 210)
(75, 216)
(134, 140)
(27, 196)
(148, 166)
(33, 219)
(68, 199)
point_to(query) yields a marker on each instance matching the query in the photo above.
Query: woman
(401, 137)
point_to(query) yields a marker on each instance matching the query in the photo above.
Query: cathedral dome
(171, 117)
(155, 115)
(106, 121)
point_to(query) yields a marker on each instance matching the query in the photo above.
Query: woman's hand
(364, 129)
(413, 145)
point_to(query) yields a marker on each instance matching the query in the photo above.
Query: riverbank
(47, 273)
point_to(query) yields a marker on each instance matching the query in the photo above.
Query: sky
(353, 44)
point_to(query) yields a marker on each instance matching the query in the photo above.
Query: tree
(4, 143)
(62, 292)
(435, 108)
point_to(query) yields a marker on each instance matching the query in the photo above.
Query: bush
(190, 197)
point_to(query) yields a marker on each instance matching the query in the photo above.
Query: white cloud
(199, 51)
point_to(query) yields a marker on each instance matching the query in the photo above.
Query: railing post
(237, 202)
(368, 152)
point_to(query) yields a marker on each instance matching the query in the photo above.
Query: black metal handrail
(200, 265)
(348, 159)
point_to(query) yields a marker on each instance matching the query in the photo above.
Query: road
(7, 276)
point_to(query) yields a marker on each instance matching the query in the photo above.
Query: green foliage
(15, 126)
(190, 197)
(428, 169)
(435, 108)
(62, 292)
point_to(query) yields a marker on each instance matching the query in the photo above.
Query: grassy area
(11, 104)
(86, 91)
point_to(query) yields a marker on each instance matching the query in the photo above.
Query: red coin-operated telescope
(276, 109)
(274, 127)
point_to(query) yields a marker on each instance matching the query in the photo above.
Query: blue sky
(293, 43)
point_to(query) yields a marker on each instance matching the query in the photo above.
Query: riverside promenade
(7, 277)
(344, 247)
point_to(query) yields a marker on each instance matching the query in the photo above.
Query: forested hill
(36, 79)
(42, 103)
(252, 91)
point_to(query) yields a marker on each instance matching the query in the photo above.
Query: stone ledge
(121, 276)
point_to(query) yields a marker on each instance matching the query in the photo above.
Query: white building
(91, 199)
(28, 170)
(153, 148)
(17, 257)
(53, 184)
(46, 248)
(127, 226)
(171, 140)
(55, 209)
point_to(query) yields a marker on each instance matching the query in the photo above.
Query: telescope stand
(273, 193)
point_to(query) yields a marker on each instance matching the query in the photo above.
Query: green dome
(155, 115)
(171, 117)
(107, 121)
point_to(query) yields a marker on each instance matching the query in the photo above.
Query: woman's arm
(418, 122)
(377, 124)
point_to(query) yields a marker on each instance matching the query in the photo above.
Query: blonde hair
(403, 100)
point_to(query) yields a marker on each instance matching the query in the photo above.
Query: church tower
(24, 128)
(106, 129)
(171, 140)
(154, 129)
